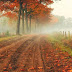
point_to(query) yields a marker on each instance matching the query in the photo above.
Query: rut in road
(30, 60)
(18, 52)
(7, 52)
(27, 57)
(55, 60)
(33, 54)
(10, 41)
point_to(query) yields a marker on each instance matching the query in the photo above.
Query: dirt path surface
(33, 53)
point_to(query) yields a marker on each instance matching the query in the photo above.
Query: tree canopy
(34, 9)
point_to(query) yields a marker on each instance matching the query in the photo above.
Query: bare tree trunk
(26, 17)
(23, 21)
(30, 23)
(65, 34)
(18, 24)
(38, 25)
(69, 34)
(40, 1)
(35, 26)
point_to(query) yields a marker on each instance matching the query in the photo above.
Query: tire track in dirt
(32, 60)
(47, 52)
(6, 41)
(10, 41)
(42, 64)
(18, 52)
(27, 58)
(37, 62)
(35, 54)
(4, 49)
(43, 60)
(7, 52)
(55, 59)
(43, 53)
(10, 51)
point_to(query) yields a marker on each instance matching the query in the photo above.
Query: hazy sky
(62, 8)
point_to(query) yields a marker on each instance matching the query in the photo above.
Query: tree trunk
(23, 21)
(26, 17)
(35, 26)
(38, 25)
(40, 1)
(30, 23)
(18, 24)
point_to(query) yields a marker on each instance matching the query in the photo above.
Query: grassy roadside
(6, 38)
(13, 36)
(58, 42)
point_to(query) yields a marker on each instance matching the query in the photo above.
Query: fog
(63, 24)
(6, 26)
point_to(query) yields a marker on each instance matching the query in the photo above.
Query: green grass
(6, 38)
(56, 41)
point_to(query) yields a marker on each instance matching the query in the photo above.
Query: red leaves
(70, 70)
(49, 2)
(35, 9)
(1, 56)
(40, 67)
(12, 5)
(1, 3)
(10, 67)
(56, 60)
(10, 14)
(31, 68)
(58, 64)
(15, 0)
(5, 70)
(39, 11)
(22, 69)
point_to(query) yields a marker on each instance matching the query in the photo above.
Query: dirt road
(32, 53)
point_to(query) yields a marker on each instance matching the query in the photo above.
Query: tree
(39, 12)
(33, 9)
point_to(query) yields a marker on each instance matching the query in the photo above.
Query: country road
(32, 53)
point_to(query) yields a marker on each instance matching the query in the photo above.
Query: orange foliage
(34, 8)
(11, 15)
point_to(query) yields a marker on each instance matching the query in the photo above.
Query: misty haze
(35, 35)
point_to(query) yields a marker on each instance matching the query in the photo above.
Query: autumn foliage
(36, 10)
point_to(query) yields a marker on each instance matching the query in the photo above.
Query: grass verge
(57, 42)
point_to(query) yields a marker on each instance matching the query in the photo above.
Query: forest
(33, 38)
(27, 12)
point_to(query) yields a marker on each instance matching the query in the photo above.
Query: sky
(63, 11)
(62, 8)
